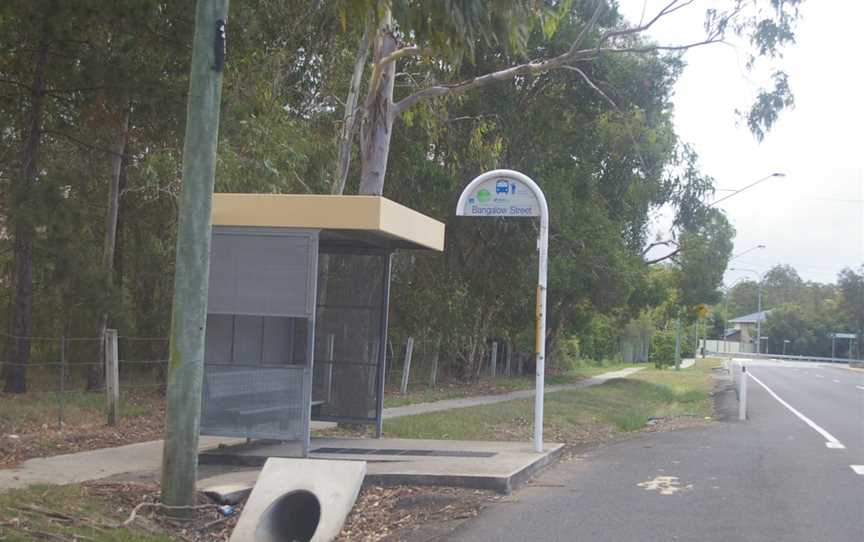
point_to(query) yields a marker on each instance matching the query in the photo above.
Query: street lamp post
(729, 291)
(726, 315)
(759, 276)
(736, 192)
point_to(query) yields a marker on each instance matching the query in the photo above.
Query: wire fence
(427, 363)
(66, 370)
(61, 370)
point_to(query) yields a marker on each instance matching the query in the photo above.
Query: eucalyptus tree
(438, 36)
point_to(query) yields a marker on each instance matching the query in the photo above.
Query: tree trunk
(21, 306)
(350, 117)
(95, 374)
(377, 124)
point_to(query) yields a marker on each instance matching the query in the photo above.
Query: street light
(765, 178)
(726, 313)
(757, 247)
(760, 276)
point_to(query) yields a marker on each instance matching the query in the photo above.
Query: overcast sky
(813, 219)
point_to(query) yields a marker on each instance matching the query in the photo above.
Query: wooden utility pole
(189, 313)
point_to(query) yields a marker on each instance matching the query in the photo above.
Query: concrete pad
(289, 493)
(229, 488)
(496, 466)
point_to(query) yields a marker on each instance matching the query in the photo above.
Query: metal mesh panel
(261, 273)
(348, 331)
(254, 374)
(254, 402)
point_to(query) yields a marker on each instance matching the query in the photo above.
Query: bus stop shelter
(297, 310)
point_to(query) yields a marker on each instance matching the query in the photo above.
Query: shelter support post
(382, 352)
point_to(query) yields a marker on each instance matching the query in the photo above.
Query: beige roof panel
(368, 219)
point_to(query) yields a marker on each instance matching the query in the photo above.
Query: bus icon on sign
(502, 187)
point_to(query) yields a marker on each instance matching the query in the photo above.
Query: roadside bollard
(742, 395)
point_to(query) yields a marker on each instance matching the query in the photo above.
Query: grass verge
(491, 386)
(574, 415)
(64, 513)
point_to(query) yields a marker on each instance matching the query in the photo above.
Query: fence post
(112, 377)
(742, 398)
(493, 358)
(406, 367)
(62, 382)
(436, 352)
(508, 357)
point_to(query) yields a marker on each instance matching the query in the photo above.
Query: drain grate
(393, 451)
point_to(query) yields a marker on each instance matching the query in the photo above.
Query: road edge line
(830, 440)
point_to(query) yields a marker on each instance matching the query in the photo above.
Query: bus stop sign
(508, 193)
(501, 194)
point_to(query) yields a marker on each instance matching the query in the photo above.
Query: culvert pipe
(300, 500)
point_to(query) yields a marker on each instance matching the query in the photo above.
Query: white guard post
(506, 193)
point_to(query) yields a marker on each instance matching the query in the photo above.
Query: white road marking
(830, 441)
(860, 387)
(819, 376)
(665, 485)
(859, 469)
(835, 381)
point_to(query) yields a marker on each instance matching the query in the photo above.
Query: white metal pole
(742, 403)
(542, 249)
(759, 318)
(540, 340)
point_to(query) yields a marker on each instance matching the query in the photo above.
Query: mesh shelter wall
(349, 334)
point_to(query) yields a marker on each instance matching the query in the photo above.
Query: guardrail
(788, 357)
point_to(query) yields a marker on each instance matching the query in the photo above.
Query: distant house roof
(751, 318)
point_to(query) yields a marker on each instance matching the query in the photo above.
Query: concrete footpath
(147, 456)
(449, 404)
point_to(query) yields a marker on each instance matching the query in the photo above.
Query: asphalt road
(771, 478)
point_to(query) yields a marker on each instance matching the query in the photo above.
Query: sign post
(506, 193)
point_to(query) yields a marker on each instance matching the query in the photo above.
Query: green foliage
(663, 349)
(705, 250)
(604, 168)
(851, 302)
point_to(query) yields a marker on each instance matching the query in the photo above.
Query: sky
(813, 219)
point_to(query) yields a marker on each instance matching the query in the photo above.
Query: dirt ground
(381, 513)
(34, 437)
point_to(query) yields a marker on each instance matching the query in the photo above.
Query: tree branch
(659, 244)
(671, 7)
(85, 144)
(593, 86)
(17, 84)
(587, 28)
(662, 258)
(403, 52)
(572, 55)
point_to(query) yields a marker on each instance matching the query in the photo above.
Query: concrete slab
(300, 499)
(496, 466)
